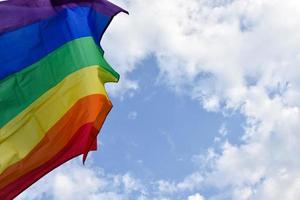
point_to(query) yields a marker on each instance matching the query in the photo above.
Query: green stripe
(22, 88)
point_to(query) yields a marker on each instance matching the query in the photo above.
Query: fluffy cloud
(132, 115)
(75, 181)
(232, 56)
(190, 183)
(196, 197)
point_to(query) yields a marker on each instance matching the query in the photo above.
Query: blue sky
(207, 107)
(155, 133)
(167, 130)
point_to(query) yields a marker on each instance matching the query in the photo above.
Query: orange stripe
(90, 109)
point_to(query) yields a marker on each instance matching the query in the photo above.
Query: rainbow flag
(52, 75)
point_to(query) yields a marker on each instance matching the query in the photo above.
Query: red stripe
(83, 141)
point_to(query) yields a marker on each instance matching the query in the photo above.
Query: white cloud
(75, 181)
(132, 115)
(189, 183)
(238, 55)
(196, 196)
(166, 187)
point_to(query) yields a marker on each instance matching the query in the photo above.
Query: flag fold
(52, 96)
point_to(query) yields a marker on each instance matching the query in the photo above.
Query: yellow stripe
(25, 131)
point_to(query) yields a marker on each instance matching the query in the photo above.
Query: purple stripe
(28, 3)
(17, 13)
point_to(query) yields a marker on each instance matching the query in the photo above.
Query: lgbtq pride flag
(52, 75)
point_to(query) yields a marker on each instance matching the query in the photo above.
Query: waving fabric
(52, 75)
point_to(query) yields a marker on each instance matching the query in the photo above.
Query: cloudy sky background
(207, 107)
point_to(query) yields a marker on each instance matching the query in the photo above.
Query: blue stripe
(27, 45)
